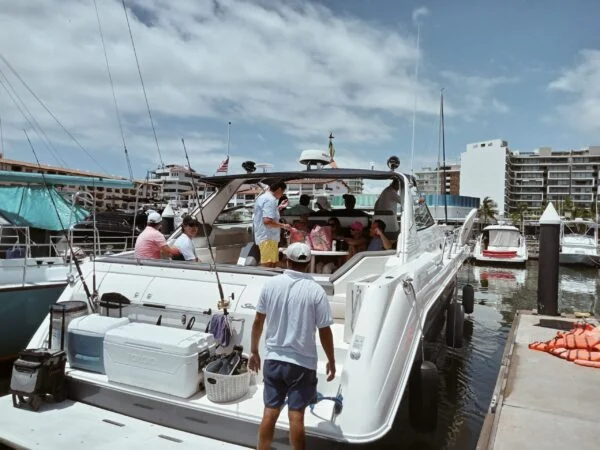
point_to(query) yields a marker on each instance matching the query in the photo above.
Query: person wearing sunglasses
(185, 243)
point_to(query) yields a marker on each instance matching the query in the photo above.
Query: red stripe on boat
(499, 254)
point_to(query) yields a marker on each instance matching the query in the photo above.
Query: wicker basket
(226, 388)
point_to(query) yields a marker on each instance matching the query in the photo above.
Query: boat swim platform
(92, 428)
(540, 400)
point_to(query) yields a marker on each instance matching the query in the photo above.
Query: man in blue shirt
(379, 241)
(265, 221)
(294, 306)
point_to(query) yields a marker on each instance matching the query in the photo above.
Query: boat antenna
(414, 117)
(112, 86)
(137, 62)
(223, 303)
(443, 155)
(96, 237)
(73, 258)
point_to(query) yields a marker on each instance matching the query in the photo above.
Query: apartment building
(515, 178)
(176, 182)
(485, 172)
(545, 176)
(431, 181)
(105, 197)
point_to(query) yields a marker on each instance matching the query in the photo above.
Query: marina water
(468, 374)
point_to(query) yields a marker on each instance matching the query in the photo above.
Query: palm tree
(487, 210)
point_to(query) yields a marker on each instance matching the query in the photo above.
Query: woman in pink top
(151, 244)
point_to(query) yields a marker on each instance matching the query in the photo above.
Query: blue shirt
(265, 206)
(295, 306)
(376, 244)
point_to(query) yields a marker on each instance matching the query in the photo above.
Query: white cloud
(418, 13)
(581, 85)
(292, 67)
(472, 95)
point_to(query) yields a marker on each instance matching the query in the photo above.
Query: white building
(484, 172)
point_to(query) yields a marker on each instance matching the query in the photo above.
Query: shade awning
(67, 180)
(33, 206)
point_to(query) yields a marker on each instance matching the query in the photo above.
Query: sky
(286, 73)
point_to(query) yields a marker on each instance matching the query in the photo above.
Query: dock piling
(549, 253)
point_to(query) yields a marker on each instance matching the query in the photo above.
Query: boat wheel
(423, 396)
(455, 318)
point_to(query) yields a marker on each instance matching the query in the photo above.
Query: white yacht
(579, 242)
(501, 244)
(384, 304)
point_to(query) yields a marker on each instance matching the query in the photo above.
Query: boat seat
(250, 255)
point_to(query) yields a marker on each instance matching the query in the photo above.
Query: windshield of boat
(236, 214)
(582, 229)
(423, 217)
(504, 238)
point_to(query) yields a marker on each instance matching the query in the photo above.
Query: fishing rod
(222, 303)
(73, 258)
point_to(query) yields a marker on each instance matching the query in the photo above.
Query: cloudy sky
(287, 72)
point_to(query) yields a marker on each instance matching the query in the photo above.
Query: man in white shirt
(294, 307)
(389, 197)
(267, 227)
(184, 243)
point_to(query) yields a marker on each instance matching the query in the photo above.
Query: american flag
(224, 167)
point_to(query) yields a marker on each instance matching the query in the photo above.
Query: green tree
(568, 206)
(487, 210)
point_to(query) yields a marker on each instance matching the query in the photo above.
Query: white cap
(154, 217)
(298, 252)
(321, 200)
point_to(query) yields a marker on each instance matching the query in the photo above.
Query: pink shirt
(148, 244)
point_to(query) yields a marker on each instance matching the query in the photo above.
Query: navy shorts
(283, 379)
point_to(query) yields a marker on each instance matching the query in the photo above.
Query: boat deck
(541, 401)
(248, 408)
(91, 428)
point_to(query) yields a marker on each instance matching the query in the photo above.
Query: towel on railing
(219, 328)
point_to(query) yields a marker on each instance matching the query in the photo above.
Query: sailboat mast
(228, 145)
(443, 154)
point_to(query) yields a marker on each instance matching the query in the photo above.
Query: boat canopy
(38, 178)
(504, 238)
(31, 206)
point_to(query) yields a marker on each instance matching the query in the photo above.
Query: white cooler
(85, 339)
(157, 358)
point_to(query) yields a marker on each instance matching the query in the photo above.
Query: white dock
(91, 428)
(540, 400)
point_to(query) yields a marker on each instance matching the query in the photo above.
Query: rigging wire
(1, 132)
(112, 86)
(51, 113)
(89, 297)
(31, 121)
(143, 86)
(223, 302)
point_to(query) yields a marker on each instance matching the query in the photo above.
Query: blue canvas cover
(31, 206)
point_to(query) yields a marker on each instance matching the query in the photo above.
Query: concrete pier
(541, 401)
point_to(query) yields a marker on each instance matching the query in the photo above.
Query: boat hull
(575, 259)
(22, 309)
(516, 261)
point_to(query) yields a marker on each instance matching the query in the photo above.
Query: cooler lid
(178, 341)
(96, 324)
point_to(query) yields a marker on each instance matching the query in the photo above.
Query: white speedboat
(384, 304)
(501, 244)
(579, 242)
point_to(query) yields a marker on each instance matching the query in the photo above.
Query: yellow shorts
(269, 251)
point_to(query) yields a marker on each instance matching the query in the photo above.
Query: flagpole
(414, 117)
(228, 145)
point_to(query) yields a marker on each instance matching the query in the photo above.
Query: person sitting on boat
(151, 244)
(302, 208)
(357, 242)
(294, 307)
(379, 240)
(349, 207)
(267, 228)
(184, 243)
(323, 206)
(390, 198)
